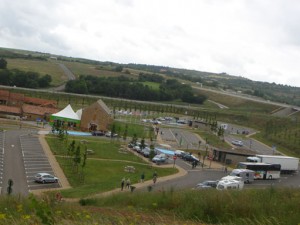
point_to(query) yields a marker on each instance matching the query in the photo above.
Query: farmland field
(41, 67)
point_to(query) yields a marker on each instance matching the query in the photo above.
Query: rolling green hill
(44, 63)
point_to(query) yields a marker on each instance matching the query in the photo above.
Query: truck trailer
(288, 164)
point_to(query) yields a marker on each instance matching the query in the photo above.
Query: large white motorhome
(288, 164)
(245, 174)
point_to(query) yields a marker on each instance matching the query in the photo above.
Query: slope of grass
(250, 206)
(87, 69)
(238, 104)
(41, 67)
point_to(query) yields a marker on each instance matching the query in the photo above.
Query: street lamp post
(206, 149)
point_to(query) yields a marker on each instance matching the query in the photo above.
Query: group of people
(125, 183)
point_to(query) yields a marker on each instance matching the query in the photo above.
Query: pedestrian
(154, 180)
(122, 183)
(225, 170)
(154, 177)
(128, 182)
(195, 164)
(58, 196)
(154, 174)
(142, 177)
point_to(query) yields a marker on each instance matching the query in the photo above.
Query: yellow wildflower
(26, 217)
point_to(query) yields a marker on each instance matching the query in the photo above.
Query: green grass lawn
(87, 69)
(139, 130)
(103, 148)
(104, 169)
(152, 85)
(105, 175)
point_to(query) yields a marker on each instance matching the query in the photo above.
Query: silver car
(45, 178)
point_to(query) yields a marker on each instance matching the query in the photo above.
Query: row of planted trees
(75, 153)
(283, 131)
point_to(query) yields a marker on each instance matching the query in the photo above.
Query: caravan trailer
(230, 182)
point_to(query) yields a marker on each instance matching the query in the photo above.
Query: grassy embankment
(269, 206)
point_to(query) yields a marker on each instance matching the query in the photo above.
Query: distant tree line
(150, 77)
(123, 87)
(15, 55)
(21, 78)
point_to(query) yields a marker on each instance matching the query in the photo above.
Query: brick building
(95, 117)
(21, 106)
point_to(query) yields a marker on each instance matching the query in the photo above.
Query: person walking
(142, 177)
(122, 183)
(154, 177)
(128, 182)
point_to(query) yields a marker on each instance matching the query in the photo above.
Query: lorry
(288, 164)
(245, 174)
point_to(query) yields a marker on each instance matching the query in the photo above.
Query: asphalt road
(198, 175)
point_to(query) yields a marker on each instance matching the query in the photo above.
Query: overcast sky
(256, 39)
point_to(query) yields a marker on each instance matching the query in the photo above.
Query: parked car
(137, 148)
(45, 178)
(207, 184)
(98, 133)
(179, 153)
(157, 122)
(237, 143)
(146, 152)
(182, 121)
(184, 155)
(108, 134)
(131, 145)
(161, 158)
(190, 158)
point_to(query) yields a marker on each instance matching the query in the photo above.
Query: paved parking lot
(180, 138)
(35, 161)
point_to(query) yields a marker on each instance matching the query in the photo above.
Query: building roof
(37, 110)
(10, 109)
(4, 95)
(79, 113)
(16, 96)
(238, 151)
(67, 112)
(103, 106)
(39, 101)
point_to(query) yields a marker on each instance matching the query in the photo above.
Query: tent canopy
(79, 113)
(66, 113)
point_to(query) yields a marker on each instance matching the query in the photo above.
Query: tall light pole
(206, 149)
